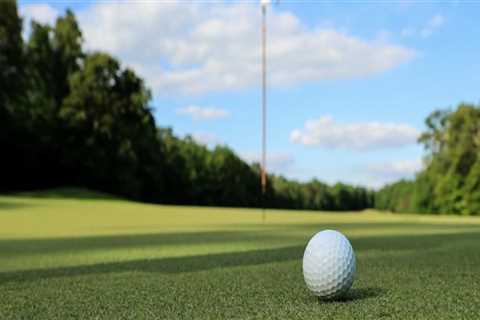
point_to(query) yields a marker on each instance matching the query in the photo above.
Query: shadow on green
(416, 244)
(282, 235)
(354, 294)
(20, 247)
(68, 193)
(165, 265)
(13, 205)
(361, 294)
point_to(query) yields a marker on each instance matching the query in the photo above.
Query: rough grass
(73, 258)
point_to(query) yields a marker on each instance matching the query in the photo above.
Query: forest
(69, 117)
(450, 180)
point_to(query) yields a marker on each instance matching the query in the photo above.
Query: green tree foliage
(108, 123)
(196, 175)
(396, 197)
(200, 176)
(316, 195)
(12, 105)
(11, 55)
(450, 182)
(33, 84)
(41, 65)
(71, 118)
(54, 54)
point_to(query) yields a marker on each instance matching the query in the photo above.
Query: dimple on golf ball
(329, 264)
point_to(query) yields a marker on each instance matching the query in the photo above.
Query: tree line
(450, 181)
(74, 118)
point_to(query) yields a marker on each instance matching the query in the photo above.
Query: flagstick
(264, 109)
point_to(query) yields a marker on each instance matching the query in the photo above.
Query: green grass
(68, 257)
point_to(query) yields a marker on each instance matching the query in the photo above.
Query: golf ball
(329, 264)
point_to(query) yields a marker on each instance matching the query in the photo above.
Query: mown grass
(68, 257)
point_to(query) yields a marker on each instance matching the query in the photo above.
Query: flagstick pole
(264, 110)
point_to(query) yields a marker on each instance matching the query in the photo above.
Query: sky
(350, 83)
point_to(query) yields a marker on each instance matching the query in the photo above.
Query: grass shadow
(21, 247)
(352, 295)
(357, 294)
(12, 205)
(165, 265)
(68, 193)
(173, 265)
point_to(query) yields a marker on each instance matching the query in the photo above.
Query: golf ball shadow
(355, 294)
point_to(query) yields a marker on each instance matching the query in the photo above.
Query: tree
(12, 84)
(68, 55)
(234, 182)
(449, 183)
(11, 55)
(107, 118)
(54, 54)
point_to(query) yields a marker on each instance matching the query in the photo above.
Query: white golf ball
(329, 264)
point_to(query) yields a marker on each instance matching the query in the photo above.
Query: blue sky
(350, 83)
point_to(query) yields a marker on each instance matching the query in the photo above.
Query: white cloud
(433, 24)
(193, 48)
(427, 30)
(408, 32)
(276, 162)
(383, 37)
(326, 133)
(39, 12)
(203, 113)
(381, 173)
(205, 138)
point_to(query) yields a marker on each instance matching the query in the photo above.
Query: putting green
(63, 258)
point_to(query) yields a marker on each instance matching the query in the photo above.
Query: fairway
(82, 258)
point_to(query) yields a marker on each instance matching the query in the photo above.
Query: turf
(67, 257)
